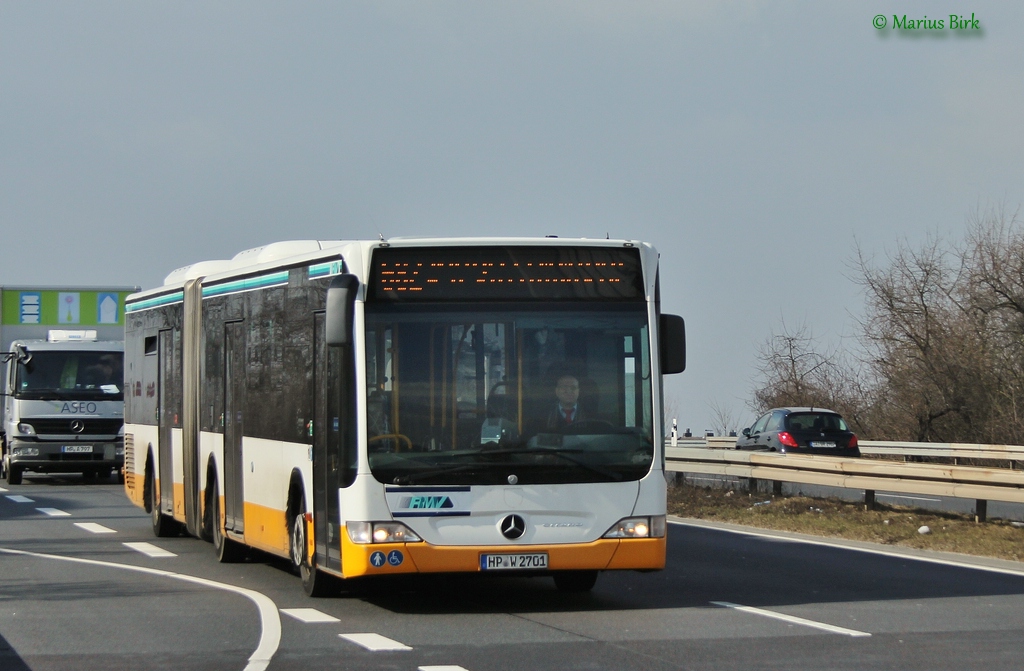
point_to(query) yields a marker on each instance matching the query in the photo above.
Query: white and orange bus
(408, 406)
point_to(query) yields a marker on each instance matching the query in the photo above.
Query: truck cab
(63, 407)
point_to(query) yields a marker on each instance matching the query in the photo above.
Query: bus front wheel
(315, 583)
(575, 581)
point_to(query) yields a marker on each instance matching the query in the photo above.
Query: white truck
(63, 385)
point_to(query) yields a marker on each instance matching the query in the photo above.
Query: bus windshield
(71, 375)
(549, 394)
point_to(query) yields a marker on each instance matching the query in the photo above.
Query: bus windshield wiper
(565, 453)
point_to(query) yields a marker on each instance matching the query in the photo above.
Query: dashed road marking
(792, 619)
(53, 512)
(95, 528)
(18, 498)
(149, 549)
(309, 615)
(374, 642)
(443, 667)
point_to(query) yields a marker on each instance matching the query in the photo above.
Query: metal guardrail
(712, 456)
(891, 448)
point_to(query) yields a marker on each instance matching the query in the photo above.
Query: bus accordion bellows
(372, 408)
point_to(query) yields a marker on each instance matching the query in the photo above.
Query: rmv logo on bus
(431, 502)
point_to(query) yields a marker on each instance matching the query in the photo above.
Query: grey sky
(751, 142)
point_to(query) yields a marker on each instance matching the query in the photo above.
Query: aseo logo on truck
(76, 407)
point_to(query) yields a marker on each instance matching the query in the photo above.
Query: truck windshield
(500, 396)
(56, 375)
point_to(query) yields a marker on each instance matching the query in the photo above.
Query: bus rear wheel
(227, 550)
(163, 525)
(575, 581)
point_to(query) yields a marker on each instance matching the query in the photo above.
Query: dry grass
(890, 525)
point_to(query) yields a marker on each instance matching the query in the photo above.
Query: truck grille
(62, 426)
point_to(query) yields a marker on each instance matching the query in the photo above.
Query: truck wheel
(13, 475)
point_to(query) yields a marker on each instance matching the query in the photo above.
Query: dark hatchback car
(800, 431)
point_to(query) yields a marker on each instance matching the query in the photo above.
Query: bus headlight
(381, 532)
(26, 429)
(25, 451)
(638, 527)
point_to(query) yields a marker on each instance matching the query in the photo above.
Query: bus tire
(575, 581)
(163, 526)
(227, 550)
(315, 583)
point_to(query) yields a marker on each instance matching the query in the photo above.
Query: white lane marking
(443, 667)
(149, 549)
(309, 615)
(18, 498)
(909, 498)
(375, 642)
(270, 620)
(2, 489)
(854, 548)
(53, 512)
(95, 528)
(793, 619)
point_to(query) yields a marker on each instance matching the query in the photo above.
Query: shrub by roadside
(890, 525)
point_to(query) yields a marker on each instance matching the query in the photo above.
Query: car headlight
(26, 429)
(381, 532)
(638, 527)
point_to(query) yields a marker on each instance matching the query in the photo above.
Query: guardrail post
(980, 510)
(752, 485)
(777, 487)
(869, 499)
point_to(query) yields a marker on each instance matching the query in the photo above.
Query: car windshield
(815, 421)
(70, 375)
(495, 396)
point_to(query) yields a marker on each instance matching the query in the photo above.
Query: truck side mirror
(672, 344)
(341, 299)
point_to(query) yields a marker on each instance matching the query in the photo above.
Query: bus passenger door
(234, 404)
(165, 420)
(326, 451)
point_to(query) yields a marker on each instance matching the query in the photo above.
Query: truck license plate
(69, 449)
(514, 562)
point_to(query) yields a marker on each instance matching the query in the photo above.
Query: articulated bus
(407, 406)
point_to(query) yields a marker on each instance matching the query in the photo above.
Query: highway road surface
(85, 585)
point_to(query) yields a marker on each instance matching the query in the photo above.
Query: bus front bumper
(643, 554)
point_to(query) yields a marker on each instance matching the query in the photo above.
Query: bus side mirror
(672, 344)
(341, 299)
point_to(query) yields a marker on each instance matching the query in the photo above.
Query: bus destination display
(496, 273)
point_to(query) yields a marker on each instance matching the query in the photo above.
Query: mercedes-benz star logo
(77, 426)
(512, 527)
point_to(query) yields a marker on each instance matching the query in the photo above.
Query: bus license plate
(823, 443)
(514, 562)
(77, 448)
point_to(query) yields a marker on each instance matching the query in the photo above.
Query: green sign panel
(55, 307)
